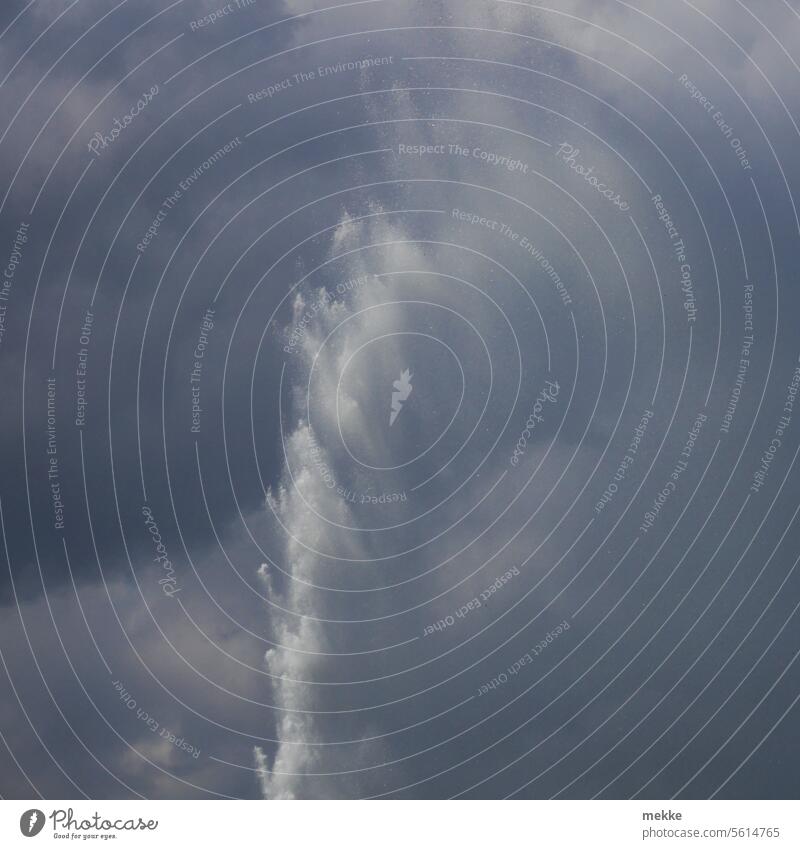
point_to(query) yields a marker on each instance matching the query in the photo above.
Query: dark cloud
(565, 566)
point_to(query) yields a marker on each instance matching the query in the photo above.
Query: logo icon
(402, 389)
(31, 822)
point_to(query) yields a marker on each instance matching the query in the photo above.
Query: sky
(399, 399)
